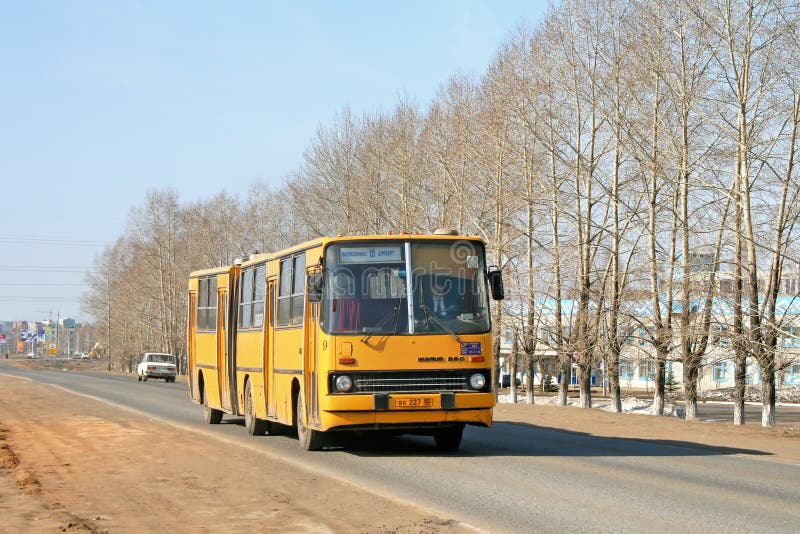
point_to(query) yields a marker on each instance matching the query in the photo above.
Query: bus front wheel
(310, 439)
(449, 439)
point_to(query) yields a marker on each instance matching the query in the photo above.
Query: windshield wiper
(430, 315)
(393, 312)
(397, 314)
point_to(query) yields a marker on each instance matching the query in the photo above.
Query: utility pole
(58, 320)
(108, 319)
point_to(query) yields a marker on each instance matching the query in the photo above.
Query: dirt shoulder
(73, 464)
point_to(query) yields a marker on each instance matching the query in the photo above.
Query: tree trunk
(613, 379)
(512, 370)
(529, 397)
(768, 394)
(585, 385)
(690, 372)
(740, 357)
(563, 383)
(660, 381)
(740, 373)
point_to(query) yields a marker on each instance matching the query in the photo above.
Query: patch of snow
(783, 393)
(629, 405)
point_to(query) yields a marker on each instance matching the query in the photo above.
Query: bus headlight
(343, 383)
(477, 381)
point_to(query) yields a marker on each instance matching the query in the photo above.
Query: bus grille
(433, 382)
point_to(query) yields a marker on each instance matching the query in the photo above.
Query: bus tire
(254, 425)
(211, 415)
(138, 378)
(449, 439)
(310, 439)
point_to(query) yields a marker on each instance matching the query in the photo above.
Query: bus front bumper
(382, 410)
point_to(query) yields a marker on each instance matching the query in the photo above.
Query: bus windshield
(368, 288)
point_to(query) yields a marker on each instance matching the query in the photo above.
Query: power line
(45, 269)
(45, 243)
(23, 298)
(35, 284)
(21, 240)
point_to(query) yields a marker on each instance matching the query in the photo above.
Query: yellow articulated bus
(386, 333)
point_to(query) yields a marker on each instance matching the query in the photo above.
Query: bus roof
(322, 241)
(213, 270)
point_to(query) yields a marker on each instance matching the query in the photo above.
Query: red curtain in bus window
(348, 314)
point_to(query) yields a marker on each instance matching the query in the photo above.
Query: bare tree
(754, 36)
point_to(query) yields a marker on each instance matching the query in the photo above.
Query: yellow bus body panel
(249, 365)
(207, 358)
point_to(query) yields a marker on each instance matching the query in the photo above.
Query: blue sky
(102, 101)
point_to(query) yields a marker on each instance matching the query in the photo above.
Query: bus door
(310, 356)
(223, 356)
(267, 365)
(232, 313)
(269, 351)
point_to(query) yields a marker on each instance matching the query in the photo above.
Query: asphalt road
(723, 411)
(513, 477)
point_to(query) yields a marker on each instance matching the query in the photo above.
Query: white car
(156, 365)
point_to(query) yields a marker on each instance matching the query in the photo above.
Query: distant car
(84, 356)
(156, 365)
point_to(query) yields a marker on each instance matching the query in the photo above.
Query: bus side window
(259, 294)
(298, 290)
(246, 299)
(285, 292)
(201, 303)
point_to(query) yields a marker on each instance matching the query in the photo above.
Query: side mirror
(315, 285)
(496, 283)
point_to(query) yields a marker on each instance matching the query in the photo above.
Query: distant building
(67, 322)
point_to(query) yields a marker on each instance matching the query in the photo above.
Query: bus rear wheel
(310, 439)
(254, 425)
(211, 415)
(449, 439)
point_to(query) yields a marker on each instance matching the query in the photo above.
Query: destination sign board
(385, 254)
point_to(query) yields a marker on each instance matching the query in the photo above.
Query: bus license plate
(415, 402)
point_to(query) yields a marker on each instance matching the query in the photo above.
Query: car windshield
(161, 358)
(367, 288)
